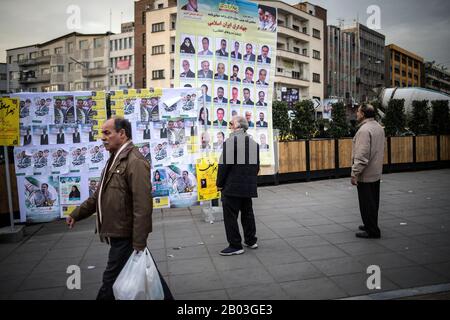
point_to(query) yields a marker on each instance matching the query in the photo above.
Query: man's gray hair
(241, 122)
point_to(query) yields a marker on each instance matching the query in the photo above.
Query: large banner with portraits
(60, 158)
(227, 49)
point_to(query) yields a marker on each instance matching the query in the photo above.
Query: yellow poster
(206, 179)
(9, 122)
(161, 202)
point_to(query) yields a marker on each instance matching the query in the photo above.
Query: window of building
(70, 47)
(120, 44)
(98, 64)
(71, 86)
(144, 60)
(116, 46)
(2, 76)
(295, 75)
(305, 30)
(316, 54)
(316, 77)
(21, 57)
(59, 50)
(160, 5)
(296, 50)
(99, 84)
(83, 44)
(143, 17)
(158, 50)
(280, 70)
(125, 44)
(144, 39)
(295, 27)
(130, 42)
(158, 27)
(157, 74)
(56, 69)
(144, 82)
(10, 59)
(305, 52)
(316, 33)
(71, 67)
(111, 43)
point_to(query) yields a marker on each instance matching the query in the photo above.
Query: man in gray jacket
(367, 160)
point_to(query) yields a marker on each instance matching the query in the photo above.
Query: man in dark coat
(237, 180)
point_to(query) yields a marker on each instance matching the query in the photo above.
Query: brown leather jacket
(127, 203)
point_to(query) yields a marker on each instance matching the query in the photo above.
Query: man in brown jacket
(123, 202)
(367, 159)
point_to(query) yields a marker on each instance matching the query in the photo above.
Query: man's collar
(365, 121)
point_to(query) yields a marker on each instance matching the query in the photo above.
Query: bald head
(365, 111)
(239, 122)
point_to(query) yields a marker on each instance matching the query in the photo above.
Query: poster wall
(165, 129)
(59, 152)
(228, 50)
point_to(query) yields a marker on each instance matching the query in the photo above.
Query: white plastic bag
(139, 279)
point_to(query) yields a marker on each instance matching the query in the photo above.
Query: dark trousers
(119, 253)
(231, 208)
(369, 203)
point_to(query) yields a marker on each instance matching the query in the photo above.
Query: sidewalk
(308, 249)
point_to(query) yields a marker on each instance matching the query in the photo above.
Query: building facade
(369, 66)
(436, 78)
(3, 78)
(121, 58)
(301, 46)
(403, 68)
(341, 63)
(71, 62)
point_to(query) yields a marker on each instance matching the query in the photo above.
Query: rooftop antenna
(340, 22)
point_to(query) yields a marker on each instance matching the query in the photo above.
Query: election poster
(39, 198)
(9, 122)
(228, 50)
(206, 179)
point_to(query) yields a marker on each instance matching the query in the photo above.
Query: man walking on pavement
(237, 180)
(123, 203)
(367, 160)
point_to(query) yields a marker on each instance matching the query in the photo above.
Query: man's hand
(354, 181)
(70, 222)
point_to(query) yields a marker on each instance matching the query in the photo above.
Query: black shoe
(365, 235)
(231, 251)
(362, 228)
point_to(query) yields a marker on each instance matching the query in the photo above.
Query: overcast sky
(416, 25)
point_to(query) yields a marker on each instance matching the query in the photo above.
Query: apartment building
(403, 68)
(121, 58)
(341, 63)
(436, 78)
(72, 62)
(369, 66)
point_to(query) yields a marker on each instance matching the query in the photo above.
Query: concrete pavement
(308, 249)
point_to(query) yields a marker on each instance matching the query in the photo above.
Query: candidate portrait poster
(228, 49)
(39, 198)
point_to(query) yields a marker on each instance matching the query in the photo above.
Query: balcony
(296, 34)
(287, 79)
(95, 72)
(43, 59)
(291, 55)
(39, 79)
